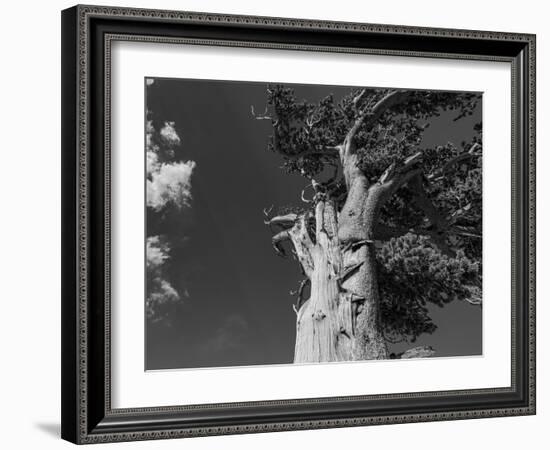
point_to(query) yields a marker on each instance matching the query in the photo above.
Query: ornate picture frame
(88, 33)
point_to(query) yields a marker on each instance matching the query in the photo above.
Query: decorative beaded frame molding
(87, 35)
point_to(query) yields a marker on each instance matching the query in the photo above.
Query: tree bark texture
(341, 319)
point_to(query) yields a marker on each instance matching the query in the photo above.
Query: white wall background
(30, 224)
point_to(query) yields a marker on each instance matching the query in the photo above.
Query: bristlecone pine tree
(389, 226)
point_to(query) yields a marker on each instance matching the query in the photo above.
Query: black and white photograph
(301, 223)
(283, 225)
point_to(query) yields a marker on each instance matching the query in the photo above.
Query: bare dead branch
(473, 148)
(299, 293)
(287, 219)
(278, 240)
(410, 161)
(398, 174)
(393, 98)
(303, 195)
(471, 153)
(263, 116)
(460, 214)
(387, 174)
(300, 240)
(475, 297)
(473, 301)
(311, 122)
(357, 99)
(267, 214)
(469, 234)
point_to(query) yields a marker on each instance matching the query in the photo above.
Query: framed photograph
(282, 224)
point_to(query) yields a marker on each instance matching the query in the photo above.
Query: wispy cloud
(161, 295)
(168, 189)
(169, 136)
(170, 184)
(229, 335)
(153, 164)
(157, 252)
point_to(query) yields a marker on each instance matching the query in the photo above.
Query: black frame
(87, 32)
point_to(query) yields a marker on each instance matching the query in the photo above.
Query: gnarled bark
(341, 319)
(322, 324)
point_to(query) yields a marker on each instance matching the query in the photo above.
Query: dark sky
(239, 310)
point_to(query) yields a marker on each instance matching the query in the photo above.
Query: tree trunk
(318, 334)
(341, 319)
(357, 222)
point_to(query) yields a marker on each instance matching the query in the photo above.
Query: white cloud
(149, 81)
(153, 164)
(161, 295)
(157, 252)
(149, 130)
(168, 134)
(163, 142)
(169, 184)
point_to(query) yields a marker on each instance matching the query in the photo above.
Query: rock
(418, 352)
